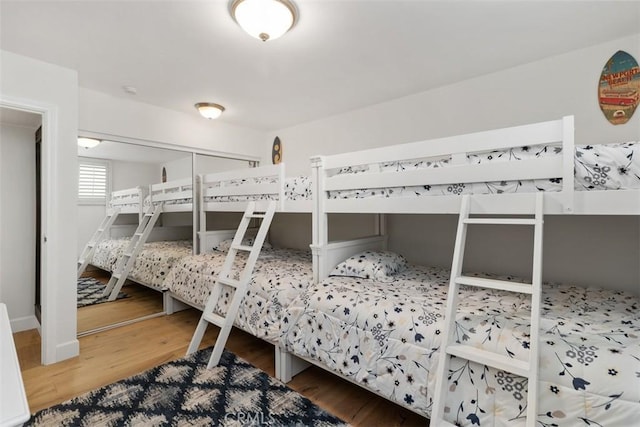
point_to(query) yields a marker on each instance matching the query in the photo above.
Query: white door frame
(48, 300)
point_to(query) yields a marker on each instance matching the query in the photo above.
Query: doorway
(20, 228)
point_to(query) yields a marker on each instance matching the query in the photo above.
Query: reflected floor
(141, 302)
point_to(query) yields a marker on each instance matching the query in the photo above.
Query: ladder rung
(515, 366)
(100, 230)
(214, 319)
(81, 261)
(445, 423)
(90, 245)
(138, 234)
(128, 255)
(242, 248)
(501, 221)
(256, 216)
(229, 282)
(116, 275)
(481, 282)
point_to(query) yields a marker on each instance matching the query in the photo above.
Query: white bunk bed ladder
(127, 260)
(227, 278)
(528, 369)
(100, 233)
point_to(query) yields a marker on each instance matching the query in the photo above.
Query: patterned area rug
(90, 292)
(186, 393)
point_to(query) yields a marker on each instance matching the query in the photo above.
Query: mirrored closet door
(111, 167)
(162, 176)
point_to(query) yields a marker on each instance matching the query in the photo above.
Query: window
(93, 182)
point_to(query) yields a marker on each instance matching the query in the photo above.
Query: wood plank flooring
(118, 353)
(142, 301)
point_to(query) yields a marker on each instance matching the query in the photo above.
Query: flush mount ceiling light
(209, 110)
(88, 142)
(264, 19)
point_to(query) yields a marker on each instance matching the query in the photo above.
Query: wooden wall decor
(276, 151)
(619, 88)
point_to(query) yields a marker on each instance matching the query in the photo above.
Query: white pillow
(224, 245)
(380, 266)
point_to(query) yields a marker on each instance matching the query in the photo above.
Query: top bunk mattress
(386, 336)
(597, 167)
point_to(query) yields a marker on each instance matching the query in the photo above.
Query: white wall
(17, 224)
(177, 169)
(123, 117)
(53, 90)
(539, 91)
(211, 164)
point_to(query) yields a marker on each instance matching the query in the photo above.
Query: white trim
(48, 302)
(166, 145)
(25, 323)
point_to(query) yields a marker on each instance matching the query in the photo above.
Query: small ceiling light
(264, 19)
(209, 110)
(88, 142)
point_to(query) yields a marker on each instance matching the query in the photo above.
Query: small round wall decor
(276, 151)
(619, 88)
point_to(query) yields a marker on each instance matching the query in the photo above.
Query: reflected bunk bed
(378, 321)
(149, 249)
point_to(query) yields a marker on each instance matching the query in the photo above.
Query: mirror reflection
(136, 219)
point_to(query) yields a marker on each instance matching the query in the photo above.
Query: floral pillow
(380, 266)
(224, 245)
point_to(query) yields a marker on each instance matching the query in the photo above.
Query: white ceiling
(340, 56)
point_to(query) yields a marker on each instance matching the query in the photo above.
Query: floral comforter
(597, 167)
(152, 264)
(279, 276)
(386, 336)
(156, 259)
(107, 253)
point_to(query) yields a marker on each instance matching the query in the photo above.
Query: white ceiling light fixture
(264, 19)
(88, 142)
(209, 110)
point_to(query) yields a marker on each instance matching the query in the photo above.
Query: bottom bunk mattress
(107, 253)
(152, 264)
(156, 259)
(386, 336)
(279, 276)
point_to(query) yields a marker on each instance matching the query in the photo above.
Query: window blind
(92, 182)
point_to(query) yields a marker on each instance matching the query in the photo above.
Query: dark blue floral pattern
(386, 336)
(597, 167)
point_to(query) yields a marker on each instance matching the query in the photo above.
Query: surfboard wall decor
(619, 88)
(276, 151)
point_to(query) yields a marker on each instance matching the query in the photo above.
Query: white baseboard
(25, 323)
(67, 350)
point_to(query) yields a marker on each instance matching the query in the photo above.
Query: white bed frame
(566, 201)
(130, 200)
(217, 184)
(173, 191)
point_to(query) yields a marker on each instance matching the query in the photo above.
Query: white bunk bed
(381, 328)
(165, 244)
(279, 274)
(230, 191)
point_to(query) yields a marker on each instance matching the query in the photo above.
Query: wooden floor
(118, 353)
(141, 301)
